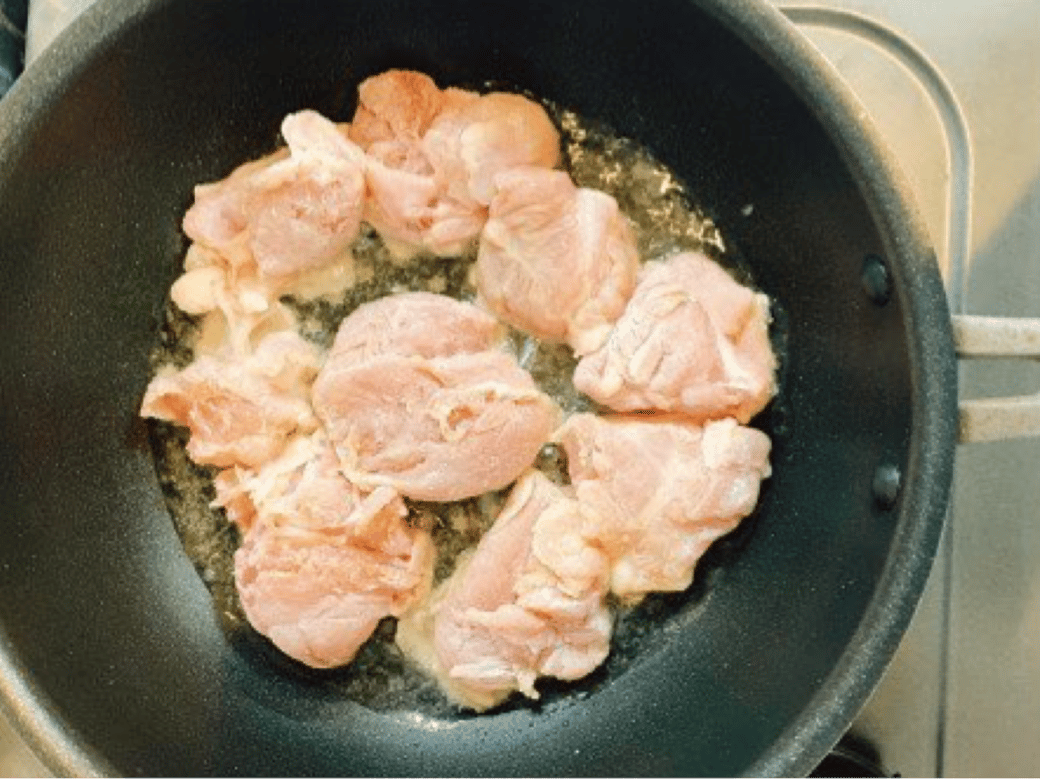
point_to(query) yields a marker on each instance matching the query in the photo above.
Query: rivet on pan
(876, 280)
(887, 481)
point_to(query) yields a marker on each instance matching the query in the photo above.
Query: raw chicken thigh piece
(472, 141)
(397, 105)
(406, 201)
(433, 156)
(528, 602)
(310, 206)
(419, 324)
(287, 214)
(240, 411)
(271, 228)
(219, 217)
(317, 582)
(556, 261)
(658, 492)
(692, 341)
(416, 395)
(406, 207)
(322, 562)
(438, 429)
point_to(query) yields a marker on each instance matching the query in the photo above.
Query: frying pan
(112, 659)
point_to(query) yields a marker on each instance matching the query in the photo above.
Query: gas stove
(954, 88)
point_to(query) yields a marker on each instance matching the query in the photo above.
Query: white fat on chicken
(240, 410)
(657, 492)
(236, 308)
(301, 485)
(527, 602)
(416, 395)
(691, 341)
(556, 261)
(323, 561)
(433, 156)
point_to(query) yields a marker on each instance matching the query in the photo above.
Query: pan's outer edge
(41, 86)
(911, 259)
(917, 282)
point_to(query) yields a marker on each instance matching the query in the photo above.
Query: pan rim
(55, 743)
(933, 436)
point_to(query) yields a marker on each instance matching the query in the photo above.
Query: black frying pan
(111, 656)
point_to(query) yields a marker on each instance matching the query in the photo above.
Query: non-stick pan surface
(112, 657)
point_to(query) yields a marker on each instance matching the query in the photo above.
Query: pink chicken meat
(433, 156)
(657, 492)
(288, 214)
(528, 602)
(691, 341)
(323, 562)
(397, 105)
(240, 411)
(430, 406)
(415, 324)
(478, 137)
(556, 261)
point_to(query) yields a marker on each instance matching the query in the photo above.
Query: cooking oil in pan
(665, 222)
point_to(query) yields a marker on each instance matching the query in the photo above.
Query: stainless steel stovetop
(954, 87)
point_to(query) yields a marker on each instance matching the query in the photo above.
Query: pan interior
(664, 222)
